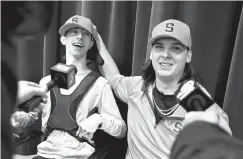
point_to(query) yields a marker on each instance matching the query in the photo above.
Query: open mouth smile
(80, 45)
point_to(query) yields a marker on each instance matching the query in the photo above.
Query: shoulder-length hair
(148, 74)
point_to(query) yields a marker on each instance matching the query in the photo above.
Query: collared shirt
(145, 139)
(60, 144)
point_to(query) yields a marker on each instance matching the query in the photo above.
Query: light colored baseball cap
(174, 29)
(77, 21)
(86, 24)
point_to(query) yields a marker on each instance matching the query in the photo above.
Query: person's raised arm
(109, 68)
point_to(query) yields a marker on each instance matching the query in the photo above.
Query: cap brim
(66, 27)
(152, 40)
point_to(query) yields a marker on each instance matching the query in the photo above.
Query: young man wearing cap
(154, 116)
(65, 129)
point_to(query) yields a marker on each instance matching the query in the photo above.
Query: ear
(150, 57)
(63, 40)
(91, 43)
(189, 56)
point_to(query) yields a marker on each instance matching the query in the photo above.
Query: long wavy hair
(148, 74)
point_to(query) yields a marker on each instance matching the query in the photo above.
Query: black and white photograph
(121, 79)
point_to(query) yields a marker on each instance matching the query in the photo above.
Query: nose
(80, 35)
(165, 53)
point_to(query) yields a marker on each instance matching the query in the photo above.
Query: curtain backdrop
(125, 26)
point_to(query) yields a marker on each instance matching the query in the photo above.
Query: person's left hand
(89, 126)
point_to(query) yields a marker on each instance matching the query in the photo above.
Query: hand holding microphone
(62, 76)
(193, 97)
(26, 90)
(33, 96)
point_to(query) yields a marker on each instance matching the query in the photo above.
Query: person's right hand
(88, 126)
(207, 116)
(20, 119)
(23, 119)
(26, 90)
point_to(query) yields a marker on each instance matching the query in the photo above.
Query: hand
(20, 119)
(89, 126)
(98, 39)
(23, 119)
(206, 116)
(26, 90)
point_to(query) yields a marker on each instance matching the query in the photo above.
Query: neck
(79, 63)
(168, 85)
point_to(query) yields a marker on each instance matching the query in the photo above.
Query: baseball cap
(174, 29)
(77, 21)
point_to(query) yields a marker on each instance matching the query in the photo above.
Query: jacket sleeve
(201, 140)
(123, 86)
(47, 108)
(112, 122)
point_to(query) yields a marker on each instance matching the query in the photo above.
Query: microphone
(193, 98)
(62, 76)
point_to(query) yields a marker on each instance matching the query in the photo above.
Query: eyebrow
(80, 29)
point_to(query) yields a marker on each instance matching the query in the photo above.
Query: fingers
(14, 123)
(20, 119)
(39, 91)
(32, 84)
(209, 117)
(94, 30)
(78, 132)
(41, 106)
(88, 135)
(44, 100)
(14, 120)
(83, 133)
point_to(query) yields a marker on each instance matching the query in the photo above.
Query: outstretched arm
(26, 90)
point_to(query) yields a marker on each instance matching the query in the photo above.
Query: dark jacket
(201, 140)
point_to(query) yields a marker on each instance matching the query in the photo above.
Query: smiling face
(169, 57)
(77, 41)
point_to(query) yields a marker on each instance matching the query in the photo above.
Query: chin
(165, 73)
(165, 76)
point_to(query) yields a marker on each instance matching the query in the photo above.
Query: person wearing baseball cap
(86, 24)
(154, 115)
(90, 101)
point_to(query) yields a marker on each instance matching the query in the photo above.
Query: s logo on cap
(169, 27)
(75, 20)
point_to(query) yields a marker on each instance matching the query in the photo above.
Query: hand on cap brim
(97, 37)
